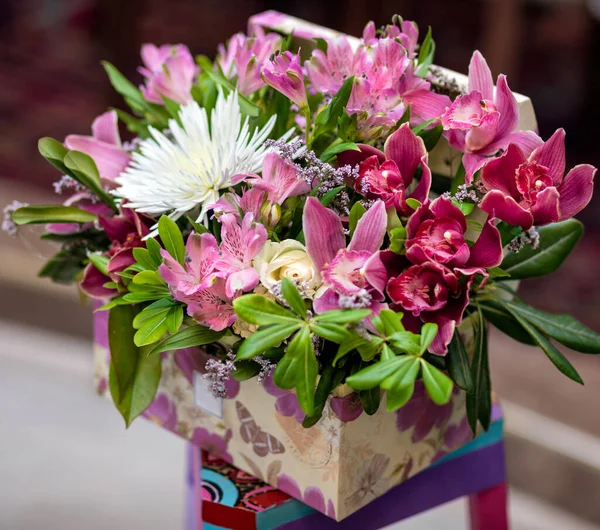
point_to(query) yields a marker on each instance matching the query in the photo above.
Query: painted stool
(222, 496)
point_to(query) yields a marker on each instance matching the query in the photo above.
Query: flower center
(532, 178)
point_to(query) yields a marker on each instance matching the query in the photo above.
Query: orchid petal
(105, 129)
(446, 327)
(526, 140)
(480, 76)
(506, 104)
(421, 192)
(326, 302)
(406, 149)
(426, 105)
(375, 273)
(442, 207)
(576, 190)
(478, 138)
(504, 207)
(93, 282)
(487, 250)
(422, 213)
(354, 158)
(500, 173)
(546, 209)
(323, 233)
(472, 164)
(370, 229)
(551, 154)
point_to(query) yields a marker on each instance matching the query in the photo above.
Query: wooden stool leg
(488, 509)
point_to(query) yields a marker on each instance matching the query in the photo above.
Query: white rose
(287, 259)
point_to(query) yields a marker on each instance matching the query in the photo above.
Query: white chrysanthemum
(185, 168)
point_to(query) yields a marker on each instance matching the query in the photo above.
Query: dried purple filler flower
(8, 225)
(218, 372)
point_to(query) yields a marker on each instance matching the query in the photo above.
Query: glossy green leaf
(401, 385)
(245, 370)
(143, 258)
(397, 239)
(53, 151)
(479, 402)
(256, 309)
(154, 249)
(293, 297)
(100, 262)
(370, 400)
(356, 212)
(246, 106)
(431, 137)
(28, 215)
(343, 316)
(428, 333)
(562, 328)
(152, 329)
(556, 243)
(406, 342)
(328, 197)
(324, 387)
(336, 149)
(332, 332)
(124, 352)
(374, 375)
(171, 238)
(83, 168)
(457, 362)
(437, 383)
(426, 54)
(266, 338)
(391, 321)
(198, 228)
(189, 337)
(347, 346)
(328, 118)
(124, 87)
(174, 319)
(500, 318)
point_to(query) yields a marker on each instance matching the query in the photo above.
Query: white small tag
(204, 399)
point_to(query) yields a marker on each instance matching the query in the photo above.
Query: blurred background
(65, 459)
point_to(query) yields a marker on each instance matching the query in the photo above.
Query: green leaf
(189, 337)
(324, 388)
(328, 197)
(143, 258)
(402, 384)
(406, 342)
(83, 168)
(171, 238)
(347, 346)
(63, 267)
(391, 321)
(556, 242)
(562, 328)
(431, 136)
(328, 118)
(28, 215)
(495, 313)
(53, 151)
(466, 208)
(154, 249)
(438, 384)
(479, 403)
(141, 391)
(343, 316)
(266, 338)
(336, 149)
(172, 107)
(426, 54)
(245, 370)
(428, 333)
(457, 362)
(403, 375)
(397, 239)
(373, 375)
(136, 298)
(256, 309)
(421, 127)
(174, 319)
(321, 44)
(413, 203)
(370, 400)
(113, 303)
(293, 297)
(152, 278)
(332, 332)
(298, 369)
(557, 358)
(124, 353)
(124, 87)
(152, 329)
(198, 228)
(357, 211)
(246, 106)
(100, 262)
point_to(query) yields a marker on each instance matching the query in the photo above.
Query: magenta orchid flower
(483, 121)
(202, 253)
(245, 57)
(239, 246)
(285, 75)
(104, 146)
(279, 179)
(170, 71)
(526, 190)
(388, 175)
(356, 271)
(436, 232)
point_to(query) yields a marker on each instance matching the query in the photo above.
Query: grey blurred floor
(67, 463)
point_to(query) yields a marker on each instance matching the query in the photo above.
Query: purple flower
(169, 71)
(285, 75)
(212, 443)
(104, 146)
(163, 412)
(286, 402)
(527, 190)
(482, 122)
(422, 413)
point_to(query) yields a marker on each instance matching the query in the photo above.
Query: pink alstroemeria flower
(387, 175)
(126, 232)
(526, 190)
(483, 121)
(244, 58)
(198, 273)
(328, 71)
(436, 232)
(169, 71)
(356, 271)
(239, 246)
(211, 307)
(407, 33)
(104, 146)
(279, 179)
(285, 75)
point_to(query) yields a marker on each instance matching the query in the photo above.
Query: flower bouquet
(284, 278)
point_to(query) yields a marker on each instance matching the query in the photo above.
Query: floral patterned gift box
(298, 254)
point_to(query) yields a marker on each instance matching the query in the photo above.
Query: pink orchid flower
(527, 190)
(198, 273)
(212, 307)
(279, 179)
(104, 146)
(483, 121)
(388, 175)
(436, 232)
(355, 271)
(170, 71)
(244, 58)
(285, 75)
(239, 246)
